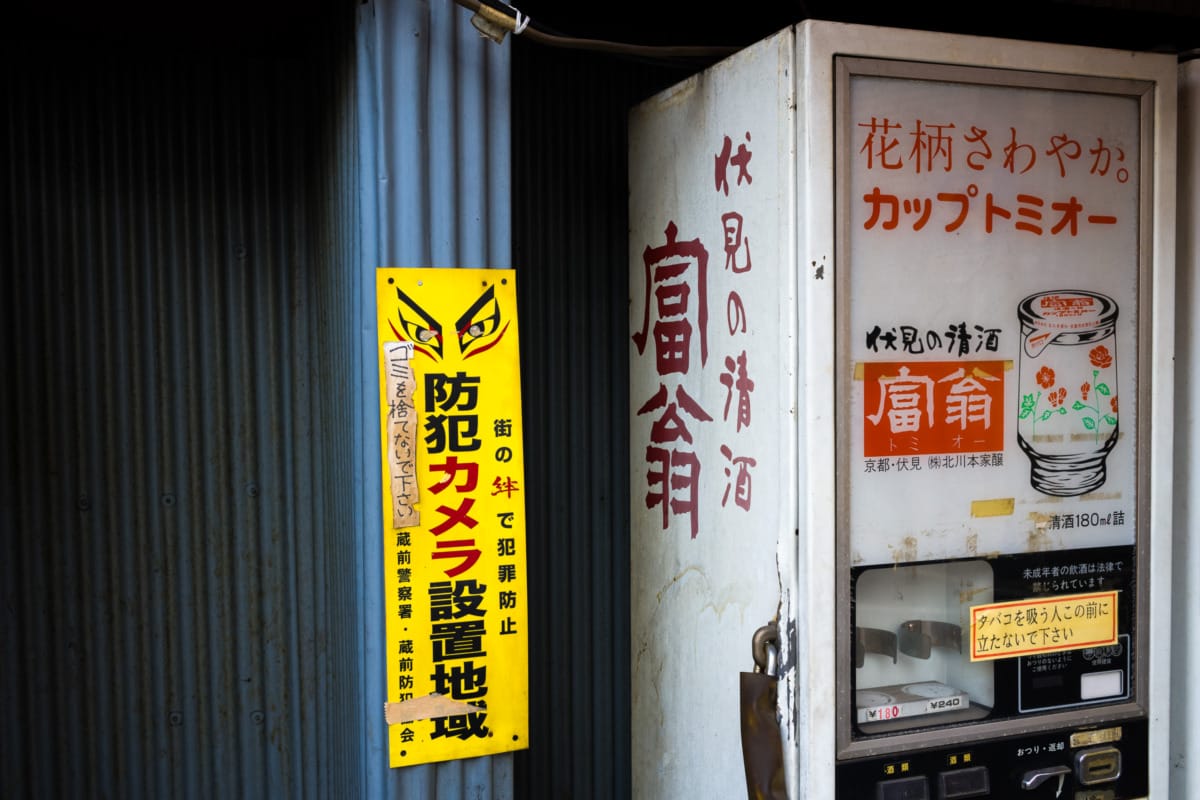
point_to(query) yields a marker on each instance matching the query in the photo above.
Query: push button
(962, 783)
(903, 789)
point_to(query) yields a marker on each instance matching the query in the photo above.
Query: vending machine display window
(911, 658)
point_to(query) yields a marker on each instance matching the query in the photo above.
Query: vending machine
(901, 341)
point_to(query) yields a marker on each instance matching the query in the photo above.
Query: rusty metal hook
(764, 647)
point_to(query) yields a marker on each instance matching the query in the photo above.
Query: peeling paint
(1038, 540)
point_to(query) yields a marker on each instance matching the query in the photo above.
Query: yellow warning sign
(1043, 625)
(454, 514)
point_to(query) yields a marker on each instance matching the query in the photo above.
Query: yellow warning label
(1043, 625)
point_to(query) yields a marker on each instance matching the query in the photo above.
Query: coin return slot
(1100, 765)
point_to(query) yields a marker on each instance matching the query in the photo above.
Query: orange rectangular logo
(933, 407)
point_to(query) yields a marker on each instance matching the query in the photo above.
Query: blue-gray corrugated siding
(570, 236)
(434, 153)
(169, 578)
(191, 598)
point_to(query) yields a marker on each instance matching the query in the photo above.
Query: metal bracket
(873, 640)
(918, 636)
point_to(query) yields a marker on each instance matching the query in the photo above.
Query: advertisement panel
(994, 290)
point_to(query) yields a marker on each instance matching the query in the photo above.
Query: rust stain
(973, 544)
(1038, 538)
(1037, 541)
(676, 579)
(906, 552)
(965, 596)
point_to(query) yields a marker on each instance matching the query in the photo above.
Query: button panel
(1092, 763)
(916, 788)
(962, 783)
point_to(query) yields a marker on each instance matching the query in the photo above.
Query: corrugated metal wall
(570, 242)
(176, 561)
(434, 192)
(190, 578)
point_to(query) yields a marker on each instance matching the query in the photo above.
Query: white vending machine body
(1185, 650)
(712, 394)
(901, 338)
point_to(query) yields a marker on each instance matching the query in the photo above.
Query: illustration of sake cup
(1067, 418)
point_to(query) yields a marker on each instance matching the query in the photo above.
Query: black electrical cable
(602, 45)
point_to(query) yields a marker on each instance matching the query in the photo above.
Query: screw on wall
(175, 719)
(252, 489)
(83, 503)
(168, 499)
(257, 717)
